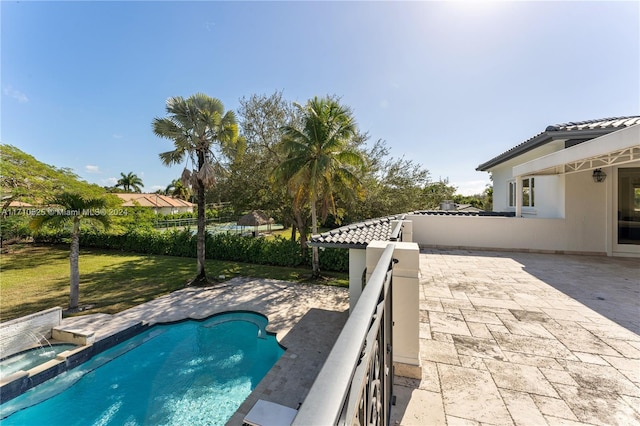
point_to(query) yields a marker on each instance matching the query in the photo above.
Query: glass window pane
(629, 206)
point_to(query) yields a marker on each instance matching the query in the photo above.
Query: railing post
(407, 229)
(357, 264)
(406, 304)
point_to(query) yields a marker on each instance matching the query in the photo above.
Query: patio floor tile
(517, 377)
(471, 394)
(522, 408)
(547, 339)
(476, 347)
(423, 408)
(444, 322)
(554, 407)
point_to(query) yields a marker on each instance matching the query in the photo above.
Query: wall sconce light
(599, 176)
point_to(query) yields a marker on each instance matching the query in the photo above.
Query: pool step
(77, 337)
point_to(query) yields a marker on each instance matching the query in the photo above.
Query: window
(528, 186)
(512, 193)
(528, 192)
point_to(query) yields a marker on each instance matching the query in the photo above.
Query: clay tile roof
(582, 129)
(151, 200)
(356, 235)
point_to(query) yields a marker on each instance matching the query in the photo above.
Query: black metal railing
(355, 384)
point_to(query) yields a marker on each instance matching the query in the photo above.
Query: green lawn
(33, 278)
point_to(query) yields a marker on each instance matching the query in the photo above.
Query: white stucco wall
(507, 233)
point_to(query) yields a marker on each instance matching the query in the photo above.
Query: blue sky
(446, 84)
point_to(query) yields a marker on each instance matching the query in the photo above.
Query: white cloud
(109, 181)
(117, 136)
(154, 188)
(471, 187)
(89, 168)
(383, 103)
(16, 94)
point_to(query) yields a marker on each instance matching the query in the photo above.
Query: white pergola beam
(620, 147)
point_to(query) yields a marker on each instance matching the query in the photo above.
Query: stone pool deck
(505, 338)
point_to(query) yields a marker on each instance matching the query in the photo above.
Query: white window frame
(528, 191)
(511, 194)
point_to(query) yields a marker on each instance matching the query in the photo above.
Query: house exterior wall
(549, 190)
(587, 210)
(589, 224)
(172, 210)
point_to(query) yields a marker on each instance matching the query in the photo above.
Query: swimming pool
(188, 373)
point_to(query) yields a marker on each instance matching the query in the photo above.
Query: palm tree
(72, 209)
(129, 182)
(319, 160)
(177, 189)
(197, 125)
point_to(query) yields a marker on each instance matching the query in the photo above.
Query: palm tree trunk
(201, 278)
(315, 256)
(74, 291)
(300, 225)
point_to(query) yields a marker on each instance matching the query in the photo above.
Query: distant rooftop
(580, 131)
(151, 200)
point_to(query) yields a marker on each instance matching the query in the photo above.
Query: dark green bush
(223, 246)
(334, 259)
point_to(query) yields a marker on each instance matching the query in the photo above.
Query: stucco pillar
(405, 304)
(518, 196)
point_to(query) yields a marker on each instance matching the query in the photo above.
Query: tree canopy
(23, 178)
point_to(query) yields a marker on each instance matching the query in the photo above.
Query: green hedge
(223, 246)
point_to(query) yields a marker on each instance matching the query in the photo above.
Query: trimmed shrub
(223, 246)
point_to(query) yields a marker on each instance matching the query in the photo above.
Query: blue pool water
(189, 373)
(31, 358)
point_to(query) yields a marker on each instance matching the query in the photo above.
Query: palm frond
(172, 157)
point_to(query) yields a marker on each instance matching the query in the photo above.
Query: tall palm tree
(199, 128)
(71, 209)
(129, 182)
(320, 162)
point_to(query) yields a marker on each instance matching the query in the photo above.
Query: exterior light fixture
(599, 176)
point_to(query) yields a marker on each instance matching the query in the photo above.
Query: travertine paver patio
(525, 339)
